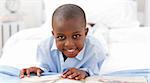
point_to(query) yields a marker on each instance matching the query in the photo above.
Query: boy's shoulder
(95, 45)
(92, 43)
(47, 42)
(92, 40)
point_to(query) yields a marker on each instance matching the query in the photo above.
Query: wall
(144, 12)
(141, 11)
(30, 12)
(147, 13)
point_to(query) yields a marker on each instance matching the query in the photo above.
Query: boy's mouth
(70, 52)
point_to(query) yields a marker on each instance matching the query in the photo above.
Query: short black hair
(69, 11)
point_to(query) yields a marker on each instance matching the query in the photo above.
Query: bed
(126, 43)
(128, 53)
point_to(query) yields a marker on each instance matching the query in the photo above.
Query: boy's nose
(69, 43)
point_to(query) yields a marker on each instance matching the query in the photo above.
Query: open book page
(41, 79)
(93, 79)
(68, 81)
(115, 79)
(49, 79)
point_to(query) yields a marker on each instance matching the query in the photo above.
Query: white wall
(147, 13)
(141, 11)
(30, 12)
(144, 12)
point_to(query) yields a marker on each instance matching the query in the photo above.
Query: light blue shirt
(89, 59)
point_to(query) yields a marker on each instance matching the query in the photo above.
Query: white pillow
(128, 35)
(126, 56)
(119, 14)
(101, 32)
(20, 50)
(21, 55)
(128, 49)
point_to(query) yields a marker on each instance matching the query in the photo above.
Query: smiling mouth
(71, 53)
(72, 50)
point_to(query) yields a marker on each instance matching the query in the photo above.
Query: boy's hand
(74, 73)
(28, 71)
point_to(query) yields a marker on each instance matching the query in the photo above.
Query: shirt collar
(79, 55)
(54, 47)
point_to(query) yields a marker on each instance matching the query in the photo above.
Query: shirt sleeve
(94, 58)
(94, 69)
(41, 59)
(44, 60)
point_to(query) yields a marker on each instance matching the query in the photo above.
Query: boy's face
(70, 36)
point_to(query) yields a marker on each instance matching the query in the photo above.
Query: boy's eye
(76, 36)
(60, 37)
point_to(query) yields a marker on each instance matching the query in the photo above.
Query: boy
(69, 51)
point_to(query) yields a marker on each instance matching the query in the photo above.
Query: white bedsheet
(20, 50)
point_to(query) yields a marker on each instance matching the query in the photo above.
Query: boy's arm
(93, 68)
(45, 61)
(43, 55)
(42, 59)
(94, 61)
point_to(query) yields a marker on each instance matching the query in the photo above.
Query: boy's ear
(52, 32)
(86, 31)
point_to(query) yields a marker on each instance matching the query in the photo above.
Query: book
(41, 79)
(116, 79)
(92, 79)
(49, 77)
